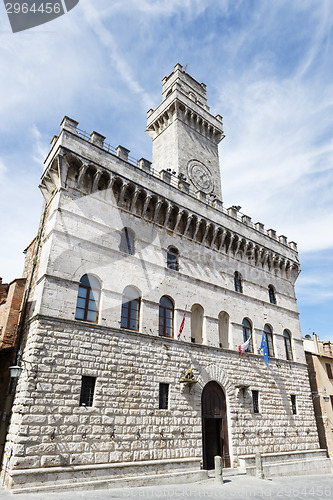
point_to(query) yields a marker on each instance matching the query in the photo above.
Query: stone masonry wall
(129, 367)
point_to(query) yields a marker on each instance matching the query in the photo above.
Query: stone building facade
(129, 248)
(319, 357)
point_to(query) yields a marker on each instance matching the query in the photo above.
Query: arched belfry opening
(214, 425)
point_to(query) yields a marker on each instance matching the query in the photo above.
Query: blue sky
(268, 67)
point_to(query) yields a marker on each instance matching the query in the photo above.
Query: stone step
(80, 473)
(188, 476)
(293, 463)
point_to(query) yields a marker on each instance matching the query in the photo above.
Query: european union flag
(263, 346)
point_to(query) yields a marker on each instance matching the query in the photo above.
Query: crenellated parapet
(71, 171)
(177, 109)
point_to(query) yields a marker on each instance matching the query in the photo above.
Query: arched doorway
(214, 426)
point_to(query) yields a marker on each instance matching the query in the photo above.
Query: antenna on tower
(185, 68)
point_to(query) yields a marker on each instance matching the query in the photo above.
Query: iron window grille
(87, 391)
(163, 402)
(255, 400)
(293, 404)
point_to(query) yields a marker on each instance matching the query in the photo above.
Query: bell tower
(185, 134)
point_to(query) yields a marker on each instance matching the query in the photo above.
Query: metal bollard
(218, 470)
(259, 467)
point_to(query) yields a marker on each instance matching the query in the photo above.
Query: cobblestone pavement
(235, 488)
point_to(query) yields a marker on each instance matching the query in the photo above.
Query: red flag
(182, 324)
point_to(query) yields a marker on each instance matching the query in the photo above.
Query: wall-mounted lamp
(15, 371)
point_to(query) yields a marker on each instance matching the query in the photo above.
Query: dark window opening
(87, 391)
(271, 293)
(269, 340)
(293, 404)
(127, 241)
(193, 340)
(163, 397)
(287, 345)
(329, 370)
(255, 399)
(173, 259)
(238, 282)
(247, 330)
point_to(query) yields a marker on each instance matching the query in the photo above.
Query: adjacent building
(144, 286)
(319, 357)
(11, 299)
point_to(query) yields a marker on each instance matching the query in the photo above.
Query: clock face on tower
(200, 176)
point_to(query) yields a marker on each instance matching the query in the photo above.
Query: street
(237, 488)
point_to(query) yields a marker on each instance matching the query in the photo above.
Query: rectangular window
(163, 397)
(255, 399)
(87, 391)
(331, 398)
(293, 404)
(329, 370)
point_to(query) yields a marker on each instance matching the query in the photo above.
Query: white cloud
(40, 147)
(3, 170)
(277, 159)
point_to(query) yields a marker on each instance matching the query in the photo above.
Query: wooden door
(214, 426)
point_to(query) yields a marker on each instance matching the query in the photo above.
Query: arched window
(271, 293)
(287, 345)
(173, 259)
(127, 241)
(130, 309)
(224, 320)
(88, 299)
(269, 340)
(238, 282)
(197, 314)
(247, 330)
(166, 317)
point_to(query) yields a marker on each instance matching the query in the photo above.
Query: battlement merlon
(189, 85)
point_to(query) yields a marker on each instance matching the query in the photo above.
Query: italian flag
(244, 347)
